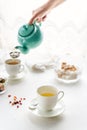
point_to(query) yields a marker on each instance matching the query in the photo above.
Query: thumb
(33, 19)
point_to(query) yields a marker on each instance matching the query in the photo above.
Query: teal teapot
(29, 37)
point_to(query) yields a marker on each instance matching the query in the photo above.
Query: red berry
(20, 98)
(10, 101)
(20, 103)
(17, 106)
(9, 95)
(24, 98)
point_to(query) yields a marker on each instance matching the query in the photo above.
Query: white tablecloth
(73, 118)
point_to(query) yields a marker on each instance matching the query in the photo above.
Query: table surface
(73, 118)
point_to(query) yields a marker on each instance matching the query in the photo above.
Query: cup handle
(21, 68)
(60, 95)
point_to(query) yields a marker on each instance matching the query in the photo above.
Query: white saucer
(68, 81)
(59, 109)
(2, 92)
(17, 77)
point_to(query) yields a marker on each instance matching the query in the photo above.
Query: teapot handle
(35, 22)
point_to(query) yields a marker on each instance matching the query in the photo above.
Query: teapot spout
(23, 49)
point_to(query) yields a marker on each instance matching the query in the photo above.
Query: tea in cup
(48, 97)
(13, 66)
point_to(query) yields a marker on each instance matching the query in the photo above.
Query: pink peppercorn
(17, 106)
(10, 101)
(15, 101)
(24, 98)
(20, 103)
(9, 95)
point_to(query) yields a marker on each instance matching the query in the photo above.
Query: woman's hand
(40, 14)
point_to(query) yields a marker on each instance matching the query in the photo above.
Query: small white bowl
(68, 76)
(3, 84)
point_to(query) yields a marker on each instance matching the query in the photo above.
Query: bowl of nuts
(3, 84)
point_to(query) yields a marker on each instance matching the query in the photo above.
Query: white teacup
(48, 97)
(13, 66)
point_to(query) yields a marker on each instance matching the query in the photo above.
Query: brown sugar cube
(2, 80)
(67, 67)
(74, 68)
(63, 65)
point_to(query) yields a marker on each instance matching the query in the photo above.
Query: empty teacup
(13, 66)
(48, 97)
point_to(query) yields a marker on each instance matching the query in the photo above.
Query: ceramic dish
(67, 81)
(3, 84)
(34, 109)
(17, 77)
(68, 73)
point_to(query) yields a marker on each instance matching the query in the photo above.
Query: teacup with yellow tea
(48, 96)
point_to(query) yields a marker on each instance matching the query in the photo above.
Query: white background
(65, 28)
(65, 31)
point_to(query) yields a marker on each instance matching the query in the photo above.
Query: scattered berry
(24, 98)
(20, 103)
(17, 106)
(9, 95)
(10, 102)
(15, 101)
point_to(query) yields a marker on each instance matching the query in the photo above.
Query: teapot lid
(26, 30)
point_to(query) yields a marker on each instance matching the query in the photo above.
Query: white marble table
(73, 118)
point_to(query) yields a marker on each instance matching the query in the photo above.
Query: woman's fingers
(38, 15)
(32, 20)
(44, 17)
(38, 19)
